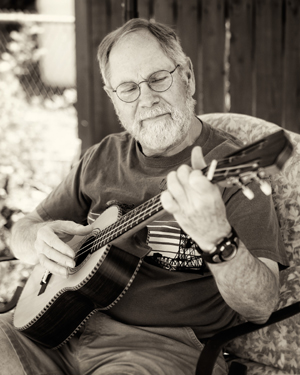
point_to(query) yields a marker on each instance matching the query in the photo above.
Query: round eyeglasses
(159, 81)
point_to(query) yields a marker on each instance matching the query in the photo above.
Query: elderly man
(185, 290)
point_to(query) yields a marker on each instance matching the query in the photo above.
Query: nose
(147, 97)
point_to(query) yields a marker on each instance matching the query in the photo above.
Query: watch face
(215, 259)
(229, 251)
(224, 251)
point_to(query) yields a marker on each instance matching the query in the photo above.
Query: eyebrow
(145, 79)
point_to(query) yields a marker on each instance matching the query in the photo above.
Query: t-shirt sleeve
(68, 200)
(256, 223)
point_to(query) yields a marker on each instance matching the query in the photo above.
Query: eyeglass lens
(158, 81)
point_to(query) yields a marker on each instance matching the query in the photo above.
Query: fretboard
(130, 220)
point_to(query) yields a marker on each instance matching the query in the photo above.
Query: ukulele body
(100, 278)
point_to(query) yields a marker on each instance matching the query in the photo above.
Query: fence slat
(84, 73)
(292, 67)
(268, 60)
(165, 12)
(106, 16)
(145, 9)
(213, 45)
(241, 56)
(95, 111)
(189, 34)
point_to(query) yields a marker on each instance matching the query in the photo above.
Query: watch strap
(224, 251)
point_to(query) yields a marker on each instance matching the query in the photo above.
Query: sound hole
(85, 249)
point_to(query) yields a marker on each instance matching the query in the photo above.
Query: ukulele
(52, 309)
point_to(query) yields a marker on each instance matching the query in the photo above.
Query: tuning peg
(247, 192)
(264, 186)
(239, 182)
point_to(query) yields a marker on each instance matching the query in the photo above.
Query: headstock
(252, 162)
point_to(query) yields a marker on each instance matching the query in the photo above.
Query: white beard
(162, 134)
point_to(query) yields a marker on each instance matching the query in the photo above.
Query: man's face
(160, 121)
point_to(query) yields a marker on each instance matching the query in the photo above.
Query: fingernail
(70, 264)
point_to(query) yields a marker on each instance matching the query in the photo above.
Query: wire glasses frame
(160, 81)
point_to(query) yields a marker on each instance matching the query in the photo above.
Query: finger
(53, 267)
(197, 158)
(71, 227)
(209, 193)
(175, 187)
(46, 234)
(197, 179)
(199, 182)
(55, 255)
(183, 173)
(168, 202)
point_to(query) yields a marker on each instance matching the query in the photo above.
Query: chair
(274, 347)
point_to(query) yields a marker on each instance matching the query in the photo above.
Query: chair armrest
(215, 344)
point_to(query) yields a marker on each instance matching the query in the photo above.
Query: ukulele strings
(104, 237)
(124, 222)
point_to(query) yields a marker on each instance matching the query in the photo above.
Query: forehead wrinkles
(135, 41)
(138, 55)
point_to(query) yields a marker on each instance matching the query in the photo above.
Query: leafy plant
(34, 155)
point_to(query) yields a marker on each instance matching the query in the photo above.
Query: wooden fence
(246, 56)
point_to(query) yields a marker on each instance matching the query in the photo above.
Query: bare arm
(249, 285)
(37, 241)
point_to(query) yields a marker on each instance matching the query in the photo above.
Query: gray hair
(166, 37)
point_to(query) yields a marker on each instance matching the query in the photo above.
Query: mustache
(158, 110)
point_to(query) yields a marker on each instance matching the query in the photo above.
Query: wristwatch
(224, 250)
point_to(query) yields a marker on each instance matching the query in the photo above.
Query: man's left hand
(196, 203)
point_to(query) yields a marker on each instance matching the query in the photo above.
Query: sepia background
(246, 58)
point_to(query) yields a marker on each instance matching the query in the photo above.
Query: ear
(189, 75)
(108, 91)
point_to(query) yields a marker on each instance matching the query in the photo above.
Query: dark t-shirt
(173, 287)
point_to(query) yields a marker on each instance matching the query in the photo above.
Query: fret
(128, 221)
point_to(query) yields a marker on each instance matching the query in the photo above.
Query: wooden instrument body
(97, 283)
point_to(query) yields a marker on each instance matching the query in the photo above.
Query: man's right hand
(53, 253)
